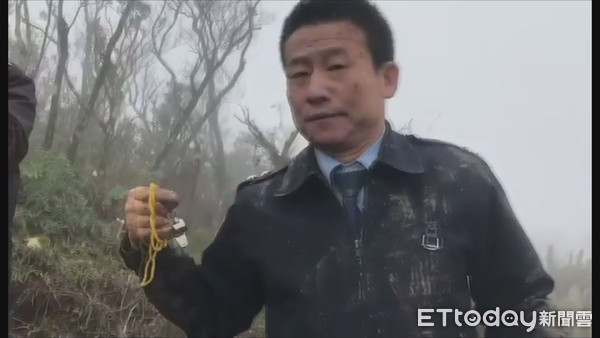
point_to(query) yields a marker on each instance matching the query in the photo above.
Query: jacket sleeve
(218, 297)
(509, 273)
(21, 114)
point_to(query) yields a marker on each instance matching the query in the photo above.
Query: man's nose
(318, 90)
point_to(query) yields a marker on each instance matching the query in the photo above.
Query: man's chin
(328, 136)
(329, 142)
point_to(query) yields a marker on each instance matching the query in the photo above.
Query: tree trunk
(20, 45)
(218, 151)
(106, 64)
(63, 53)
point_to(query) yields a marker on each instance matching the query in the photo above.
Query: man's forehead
(330, 38)
(326, 33)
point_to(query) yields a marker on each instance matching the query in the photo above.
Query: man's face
(336, 95)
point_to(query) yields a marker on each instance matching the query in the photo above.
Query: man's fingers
(137, 213)
(144, 234)
(143, 208)
(138, 227)
(166, 197)
(135, 221)
(140, 193)
(141, 221)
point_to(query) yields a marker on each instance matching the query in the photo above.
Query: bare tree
(142, 94)
(62, 48)
(28, 43)
(45, 39)
(24, 44)
(278, 158)
(214, 98)
(26, 48)
(131, 55)
(102, 74)
(218, 28)
(93, 47)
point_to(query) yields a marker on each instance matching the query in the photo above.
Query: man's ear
(390, 73)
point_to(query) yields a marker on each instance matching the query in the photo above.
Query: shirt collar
(327, 163)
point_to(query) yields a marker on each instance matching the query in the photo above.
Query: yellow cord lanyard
(156, 243)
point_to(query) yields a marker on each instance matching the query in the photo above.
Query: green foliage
(68, 277)
(55, 200)
(115, 194)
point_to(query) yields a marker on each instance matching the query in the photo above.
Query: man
(21, 114)
(363, 228)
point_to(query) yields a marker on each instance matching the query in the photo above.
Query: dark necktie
(349, 184)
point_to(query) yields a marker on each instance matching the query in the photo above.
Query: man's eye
(336, 67)
(298, 75)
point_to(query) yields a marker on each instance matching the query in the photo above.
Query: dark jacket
(21, 115)
(438, 232)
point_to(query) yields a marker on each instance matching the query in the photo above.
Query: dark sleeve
(21, 113)
(217, 298)
(509, 273)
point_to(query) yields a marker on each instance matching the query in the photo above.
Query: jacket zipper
(359, 261)
(356, 237)
(359, 240)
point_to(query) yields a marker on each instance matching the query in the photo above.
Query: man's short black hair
(359, 12)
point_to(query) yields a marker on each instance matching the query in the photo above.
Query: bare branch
(203, 43)
(44, 41)
(141, 104)
(81, 4)
(32, 25)
(158, 49)
(194, 73)
(106, 18)
(73, 90)
(288, 143)
(259, 137)
(209, 23)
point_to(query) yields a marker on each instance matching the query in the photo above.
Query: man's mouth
(323, 116)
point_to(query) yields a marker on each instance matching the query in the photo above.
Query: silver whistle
(178, 237)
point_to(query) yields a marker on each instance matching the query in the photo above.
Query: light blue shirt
(365, 160)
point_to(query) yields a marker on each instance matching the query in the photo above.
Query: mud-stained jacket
(438, 232)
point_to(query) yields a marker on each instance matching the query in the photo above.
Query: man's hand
(137, 214)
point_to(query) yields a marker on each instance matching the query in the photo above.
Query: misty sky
(510, 80)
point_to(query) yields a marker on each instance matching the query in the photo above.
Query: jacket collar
(396, 151)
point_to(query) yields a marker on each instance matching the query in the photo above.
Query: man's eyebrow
(299, 61)
(327, 53)
(334, 51)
